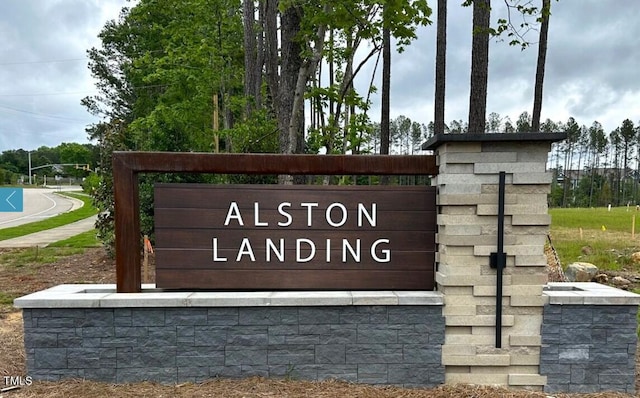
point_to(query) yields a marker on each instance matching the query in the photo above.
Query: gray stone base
(588, 336)
(589, 348)
(375, 344)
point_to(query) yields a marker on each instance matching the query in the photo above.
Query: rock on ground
(580, 272)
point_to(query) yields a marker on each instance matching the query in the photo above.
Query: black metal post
(499, 258)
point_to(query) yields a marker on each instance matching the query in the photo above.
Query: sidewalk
(43, 238)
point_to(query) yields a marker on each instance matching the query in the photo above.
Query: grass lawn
(596, 235)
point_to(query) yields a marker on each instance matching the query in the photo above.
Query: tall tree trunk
(291, 65)
(250, 56)
(386, 87)
(261, 54)
(347, 86)
(568, 160)
(479, 66)
(385, 119)
(271, 51)
(306, 69)
(542, 57)
(441, 66)
(332, 81)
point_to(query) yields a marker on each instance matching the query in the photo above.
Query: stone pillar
(469, 167)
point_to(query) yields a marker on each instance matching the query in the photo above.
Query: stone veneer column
(467, 227)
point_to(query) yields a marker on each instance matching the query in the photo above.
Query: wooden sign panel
(300, 237)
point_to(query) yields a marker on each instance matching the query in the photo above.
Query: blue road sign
(11, 200)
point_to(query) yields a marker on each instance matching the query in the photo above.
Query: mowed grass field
(598, 236)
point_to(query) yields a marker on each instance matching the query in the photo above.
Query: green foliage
(91, 183)
(556, 195)
(592, 190)
(258, 134)
(162, 64)
(406, 135)
(343, 124)
(158, 70)
(7, 298)
(112, 137)
(84, 240)
(40, 255)
(15, 163)
(200, 54)
(5, 177)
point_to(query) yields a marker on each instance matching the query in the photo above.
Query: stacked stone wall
(398, 345)
(589, 348)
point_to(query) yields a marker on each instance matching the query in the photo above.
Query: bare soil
(95, 267)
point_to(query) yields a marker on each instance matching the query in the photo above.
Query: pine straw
(12, 355)
(263, 388)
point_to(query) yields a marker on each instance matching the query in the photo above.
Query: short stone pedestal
(589, 338)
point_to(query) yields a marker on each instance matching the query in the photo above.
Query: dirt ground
(95, 267)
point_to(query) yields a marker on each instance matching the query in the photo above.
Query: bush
(91, 183)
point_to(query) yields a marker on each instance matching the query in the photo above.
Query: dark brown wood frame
(127, 166)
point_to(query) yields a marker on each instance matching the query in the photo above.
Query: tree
(479, 66)
(287, 86)
(636, 174)
(572, 129)
(441, 68)
(163, 64)
(508, 126)
(401, 129)
(75, 153)
(351, 27)
(494, 121)
(549, 126)
(253, 58)
(542, 57)
(160, 65)
(385, 119)
(15, 160)
(628, 135)
(523, 124)
(616, 146)
(417, 136)
(458, 127)
(598, 144)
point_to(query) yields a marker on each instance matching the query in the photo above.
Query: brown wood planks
(304, 236)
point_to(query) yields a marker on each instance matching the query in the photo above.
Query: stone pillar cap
(439, 139)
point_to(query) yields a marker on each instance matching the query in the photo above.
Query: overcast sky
(593, 68)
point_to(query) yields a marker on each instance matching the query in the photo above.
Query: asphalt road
(40, 203)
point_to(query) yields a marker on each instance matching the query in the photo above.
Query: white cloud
(43, 72)
(591, 72)
(592, 68)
